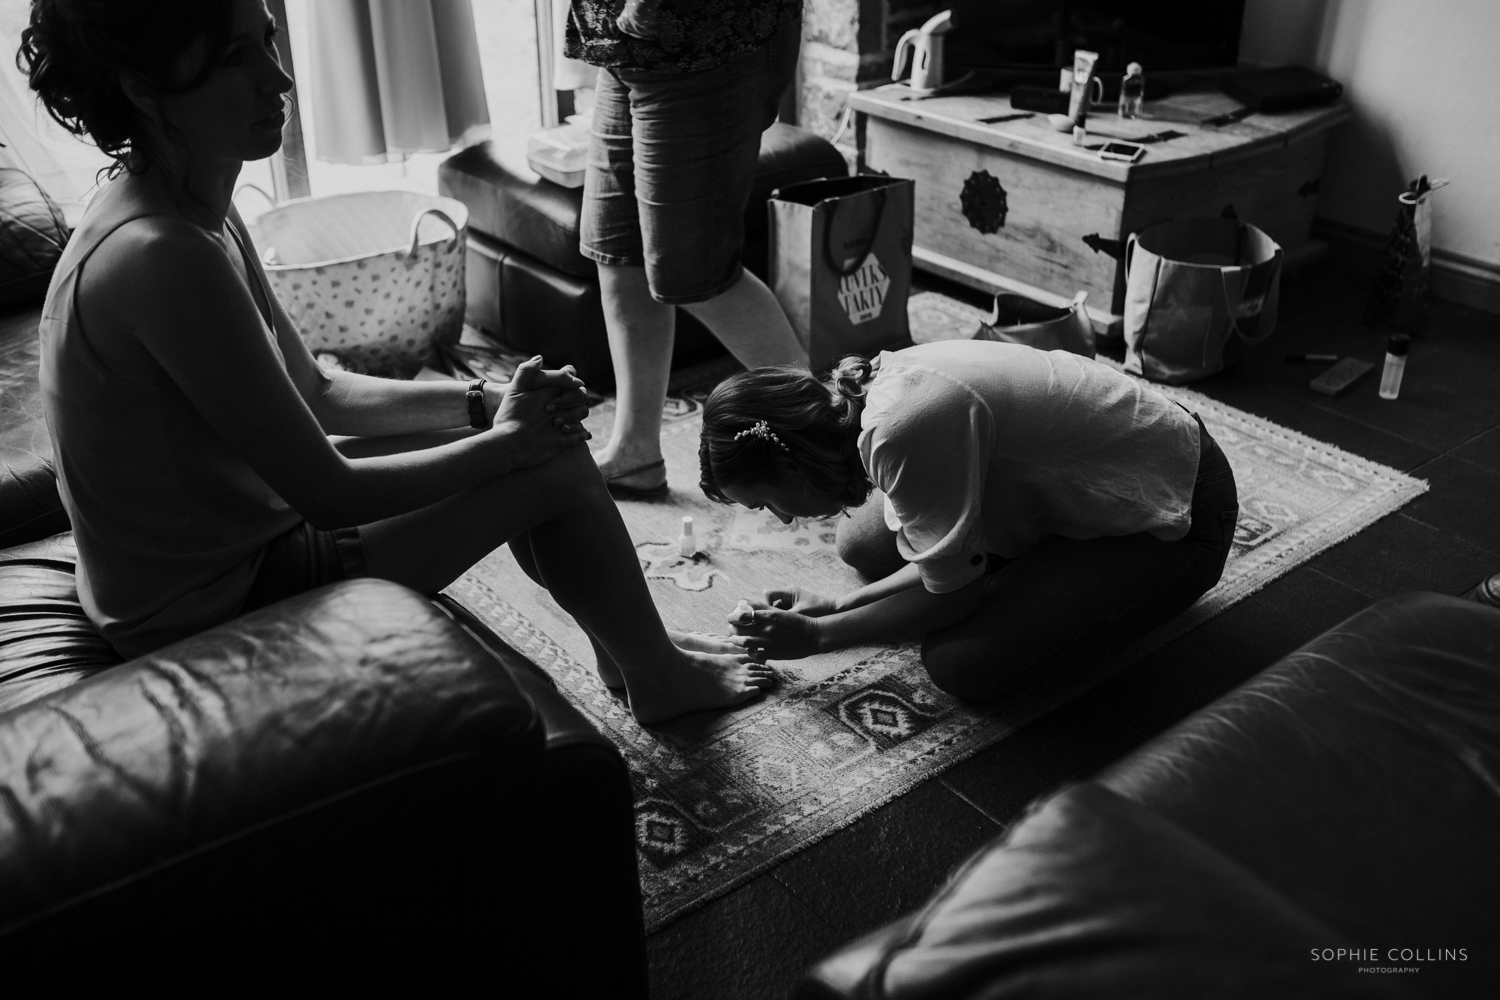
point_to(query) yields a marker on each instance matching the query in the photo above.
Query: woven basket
(374, 278)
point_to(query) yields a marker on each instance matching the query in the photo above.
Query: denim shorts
(303, 558)
(671, 163)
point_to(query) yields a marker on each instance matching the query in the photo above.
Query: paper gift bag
(1400, 294)
(1196, 290)
(841, 263)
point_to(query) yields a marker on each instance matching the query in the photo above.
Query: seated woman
(191, 426)
(1033, 508)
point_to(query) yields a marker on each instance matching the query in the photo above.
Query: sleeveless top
(170, 522)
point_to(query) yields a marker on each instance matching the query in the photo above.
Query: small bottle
(687, 545)
(1395, 365)
(1132, 91)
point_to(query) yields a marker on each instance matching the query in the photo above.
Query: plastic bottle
(1395, 365)
(1132, 91)
(687, 545)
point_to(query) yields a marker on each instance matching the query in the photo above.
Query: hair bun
(847, 379)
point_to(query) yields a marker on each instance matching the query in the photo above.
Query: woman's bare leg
(584, 556)
(609, 673)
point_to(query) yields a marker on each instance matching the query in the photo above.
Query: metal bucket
(375, 278)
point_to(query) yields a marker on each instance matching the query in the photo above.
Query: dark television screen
(1021, 38)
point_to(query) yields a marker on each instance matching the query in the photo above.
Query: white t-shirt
(988, 447)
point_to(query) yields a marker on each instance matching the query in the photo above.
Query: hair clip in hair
(762, 430)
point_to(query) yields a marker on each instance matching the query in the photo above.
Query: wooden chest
(1005, 203)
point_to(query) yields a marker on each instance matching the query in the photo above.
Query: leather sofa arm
(172, 758)
(30, 507)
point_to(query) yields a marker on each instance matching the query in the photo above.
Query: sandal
(621, 491)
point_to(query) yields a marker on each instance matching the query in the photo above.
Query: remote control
(1341, 376)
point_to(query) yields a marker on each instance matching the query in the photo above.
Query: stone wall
(847, 45)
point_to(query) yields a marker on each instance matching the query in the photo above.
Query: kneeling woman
(1031, 508)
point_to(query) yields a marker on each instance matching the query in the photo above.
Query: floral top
(693, 35)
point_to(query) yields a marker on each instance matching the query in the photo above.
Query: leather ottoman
(526, 278)
(357, 787)
(1332, 821)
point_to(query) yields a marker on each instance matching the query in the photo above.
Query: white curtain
(391, 77)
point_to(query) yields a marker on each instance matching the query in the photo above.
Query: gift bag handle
(416, 224)
(1230, 309)
(837, 267)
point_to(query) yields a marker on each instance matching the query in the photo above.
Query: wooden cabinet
(1003, 201)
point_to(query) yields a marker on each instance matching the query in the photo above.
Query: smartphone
(1127, 152)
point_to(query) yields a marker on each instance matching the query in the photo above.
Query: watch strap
(475, 398)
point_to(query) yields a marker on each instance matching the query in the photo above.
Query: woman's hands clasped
(785, 625)
(542, 412)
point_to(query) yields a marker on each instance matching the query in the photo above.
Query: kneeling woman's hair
(758, 423)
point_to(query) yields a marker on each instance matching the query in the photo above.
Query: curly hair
(75, 53)
(812, 425)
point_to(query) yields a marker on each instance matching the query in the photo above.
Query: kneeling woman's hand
(529, 414)
(804, 602)
(782, 635)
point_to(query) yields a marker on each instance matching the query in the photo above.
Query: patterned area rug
(722, 797)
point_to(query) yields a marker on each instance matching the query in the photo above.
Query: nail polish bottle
(1395, 365)
(687, 545)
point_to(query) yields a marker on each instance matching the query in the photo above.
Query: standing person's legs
(670, 172)
(1067, 600)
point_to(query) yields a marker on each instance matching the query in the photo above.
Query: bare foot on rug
(707, 642)
(699, 681)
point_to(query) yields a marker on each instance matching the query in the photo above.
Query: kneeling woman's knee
(970, 670)
(872, 555)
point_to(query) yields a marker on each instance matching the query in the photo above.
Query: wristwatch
(475, 398)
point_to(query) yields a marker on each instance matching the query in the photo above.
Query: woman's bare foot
(632, 466)
(707, 642)
(698, 681)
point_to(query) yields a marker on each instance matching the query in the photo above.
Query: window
(67, 167)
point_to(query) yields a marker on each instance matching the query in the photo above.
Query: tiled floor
(756, 941)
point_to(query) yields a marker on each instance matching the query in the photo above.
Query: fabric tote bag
(841, 263)
(1196, 290)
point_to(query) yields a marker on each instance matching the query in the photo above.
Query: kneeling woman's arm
(894, 609)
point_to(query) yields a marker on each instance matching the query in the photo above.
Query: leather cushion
(30, 507)
(1360, 776)
(510, 202)
(47, 643)
(32, 236)
(264, 720)
(1094, 896)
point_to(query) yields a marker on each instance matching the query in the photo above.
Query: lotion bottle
(1132, 91)
(1395, 365)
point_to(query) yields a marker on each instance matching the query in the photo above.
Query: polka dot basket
(375, 278)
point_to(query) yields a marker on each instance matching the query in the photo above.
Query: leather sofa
(358, 787)
(526, 279)
(1337, 814)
